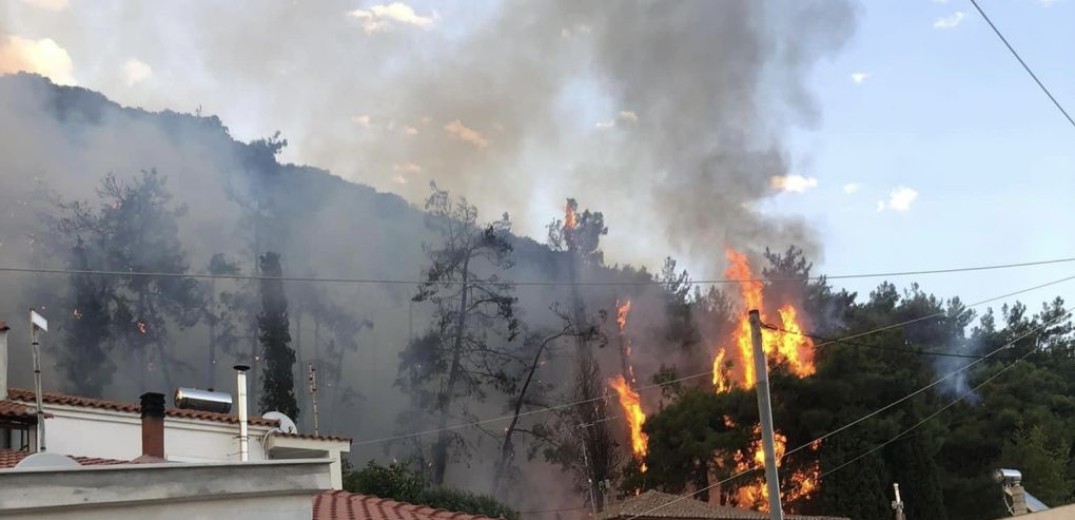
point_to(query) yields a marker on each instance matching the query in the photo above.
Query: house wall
(1056, 513)
(118, 435)
(236, 491)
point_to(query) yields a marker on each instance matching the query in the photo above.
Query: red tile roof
(9, 458)
(312, 437)
(19, 394)
(27, 396)
(341, 505)
(15, 411)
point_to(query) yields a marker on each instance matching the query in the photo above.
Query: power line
(1023, 63)
(523, 283)
(866, 417)
(692, 376)
(830, 341)
(943, 313)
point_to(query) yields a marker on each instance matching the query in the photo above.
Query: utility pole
(765, 412)
(898, 503)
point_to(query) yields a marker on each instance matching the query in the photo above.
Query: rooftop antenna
(38, 323)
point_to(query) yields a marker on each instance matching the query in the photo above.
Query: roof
(27, 396)
(312, 437)
(341, 505)
(18, 412)
(18, 394)
(9, 458)
(654, 504)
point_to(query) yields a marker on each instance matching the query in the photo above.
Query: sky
(923, 145)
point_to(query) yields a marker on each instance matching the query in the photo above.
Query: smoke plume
(668, 116)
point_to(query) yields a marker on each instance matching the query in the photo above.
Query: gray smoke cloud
(666, 116)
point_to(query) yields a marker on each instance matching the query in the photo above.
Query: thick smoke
(668, 116)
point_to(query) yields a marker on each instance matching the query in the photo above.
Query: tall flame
(571, 220)
(632, 410)
(621, 314)
(785, 344)
(790, 346)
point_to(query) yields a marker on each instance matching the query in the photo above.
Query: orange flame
(632, 409)
(570, 218)
(790, 346)
(720, 380)
(621, 314)
(785, 344)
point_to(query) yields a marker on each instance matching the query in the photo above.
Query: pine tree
(278, 382)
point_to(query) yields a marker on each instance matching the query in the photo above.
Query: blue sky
(950, 114)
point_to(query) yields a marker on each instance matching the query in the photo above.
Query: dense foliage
(398, 482)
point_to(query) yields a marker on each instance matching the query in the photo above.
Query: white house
(96, 428)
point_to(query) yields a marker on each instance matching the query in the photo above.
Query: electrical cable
(1023, 63)
(863, 418)
(831, 341)
(524, 283)
(708, 373)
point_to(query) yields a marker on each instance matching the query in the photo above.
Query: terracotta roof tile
(9, 458)
(16, 411)
(19, 394)
(312, 437)
(654, 504)
(341, 505)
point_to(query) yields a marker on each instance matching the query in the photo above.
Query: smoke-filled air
(516, 243)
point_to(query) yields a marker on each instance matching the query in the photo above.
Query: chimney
(152, 427)
(240, 382)
(3, 360)
(1018, 500)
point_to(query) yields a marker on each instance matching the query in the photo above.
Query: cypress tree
(278, 382)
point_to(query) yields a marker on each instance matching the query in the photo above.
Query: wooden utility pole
(765, 413)
(898, 503)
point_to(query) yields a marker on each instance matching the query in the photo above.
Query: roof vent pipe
(240, 376)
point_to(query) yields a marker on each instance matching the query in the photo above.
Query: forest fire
(629, 399)
(790, 346)
(632, 410)
(141, 327)
(786, 344)
(571, 220)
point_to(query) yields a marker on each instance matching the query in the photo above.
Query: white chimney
(240, 377)
(3, 360)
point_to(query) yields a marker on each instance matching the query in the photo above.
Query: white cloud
(460, 131)
(49, 5)
(793, 183)
(859, 77)
(624, 116)
(851, 187)
(949, 22)
(135, 71)
(44, 57)
(940, 1)
(899, 200)
(382, 17)
(362, 120)
(407, 167)
(1046, 3)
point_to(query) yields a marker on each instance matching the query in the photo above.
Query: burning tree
(449, 365)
